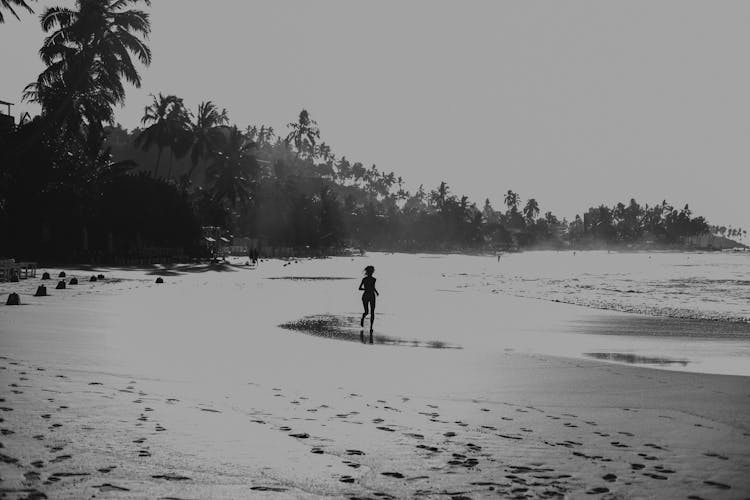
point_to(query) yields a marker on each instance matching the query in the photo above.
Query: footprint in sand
(346, 479)
(655, 476)
(610, 478)
(354, 452)
(721, 486)
(301, 435)
(396, 475)
(172, 476)
(276, 489)
(598, 490)
(715, 455)
(106, 487)
(387, 429)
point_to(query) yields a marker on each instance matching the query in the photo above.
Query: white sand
(124, 380)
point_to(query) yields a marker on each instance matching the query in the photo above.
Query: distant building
(7, 122)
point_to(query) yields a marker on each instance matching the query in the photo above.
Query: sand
(123, 388)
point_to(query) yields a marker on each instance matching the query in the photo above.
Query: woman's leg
(372, 312)
(364, 304)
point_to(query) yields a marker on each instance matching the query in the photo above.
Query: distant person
(368, 296)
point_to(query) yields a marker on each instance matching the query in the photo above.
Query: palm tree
(511, 201)
(303, 134)
(233, 169)
(531, 210)
(88, 54)
(205, 132)
(169, 121)
(8, 4)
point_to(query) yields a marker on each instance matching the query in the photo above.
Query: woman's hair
(369, 269)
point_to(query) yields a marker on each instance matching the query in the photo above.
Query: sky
(573, 103)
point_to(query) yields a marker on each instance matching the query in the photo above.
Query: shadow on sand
(347, 328)
(166, 270)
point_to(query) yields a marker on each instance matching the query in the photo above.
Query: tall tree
(233, 169)
(168, 121)
(303, 134)
(531, 210)
(511, 201)
(205, 132)
(8, 5)
(88, 54)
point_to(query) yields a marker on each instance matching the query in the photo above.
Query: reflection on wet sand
(348, 328)
(635, 359)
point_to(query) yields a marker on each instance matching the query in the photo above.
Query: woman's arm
(362, 284)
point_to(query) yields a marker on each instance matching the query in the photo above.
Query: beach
(234, 382)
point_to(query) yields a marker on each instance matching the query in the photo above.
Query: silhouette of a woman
(368, 296)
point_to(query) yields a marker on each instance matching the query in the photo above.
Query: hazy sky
(574, 103)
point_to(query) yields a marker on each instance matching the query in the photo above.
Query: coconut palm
(531, 210)
(8, 5)
(205, 132)
(168, 127)
(88, 54)
(233, 169)
(304, 134)
(511, 201)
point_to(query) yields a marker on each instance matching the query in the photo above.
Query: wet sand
(123, 388)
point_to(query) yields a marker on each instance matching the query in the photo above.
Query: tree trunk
(171, 159)
(158, 159)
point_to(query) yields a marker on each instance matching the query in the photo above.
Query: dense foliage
(75, 186)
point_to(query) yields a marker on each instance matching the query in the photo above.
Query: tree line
(78, 185)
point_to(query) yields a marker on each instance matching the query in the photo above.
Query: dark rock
(100, 276)
(60, 285)
(93, 278)
(13, 300)
(159, 280)
(73, 281)
(45, 276)
(41, 291)
(62, 274)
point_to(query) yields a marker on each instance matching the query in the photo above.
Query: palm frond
(7, 5)
(56, 17)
